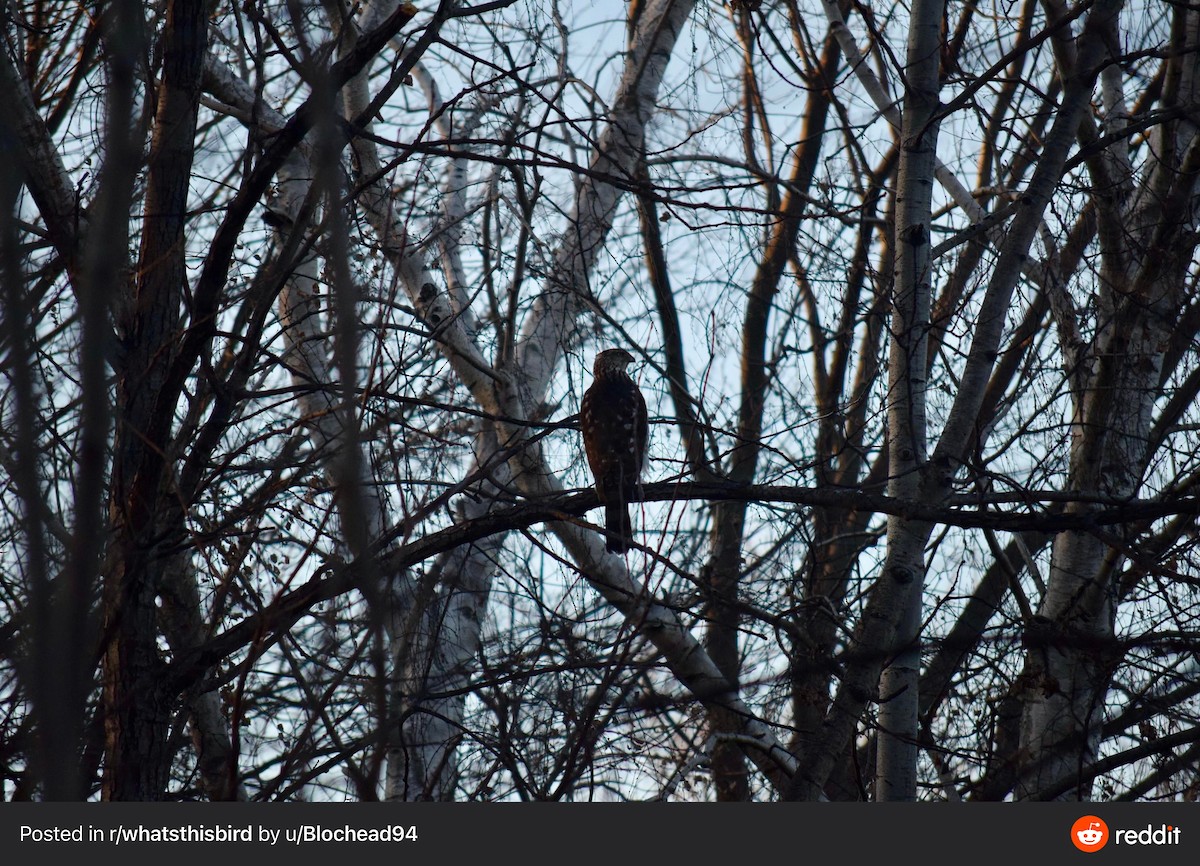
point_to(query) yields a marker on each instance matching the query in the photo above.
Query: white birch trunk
(435, 651)
(896, 768)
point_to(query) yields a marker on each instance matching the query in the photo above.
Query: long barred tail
(619, 525)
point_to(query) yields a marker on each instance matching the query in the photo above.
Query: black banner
(620, 834)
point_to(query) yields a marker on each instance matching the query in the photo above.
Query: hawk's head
(610, 362)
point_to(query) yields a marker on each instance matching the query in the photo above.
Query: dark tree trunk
(142, 510)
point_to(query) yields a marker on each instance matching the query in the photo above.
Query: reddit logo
(1089, 833)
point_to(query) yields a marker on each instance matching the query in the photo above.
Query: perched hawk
(615, 429)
